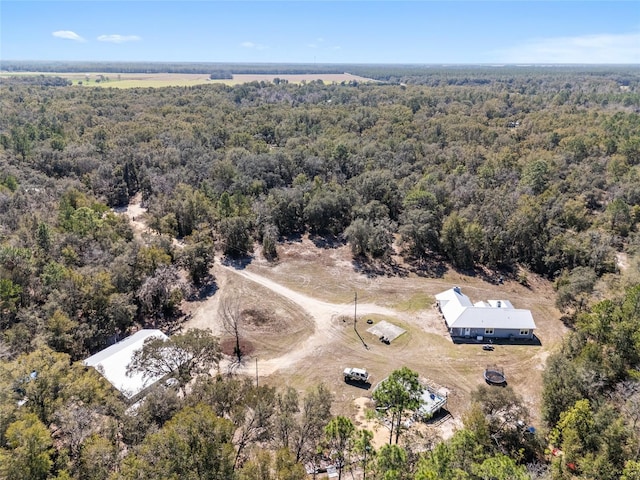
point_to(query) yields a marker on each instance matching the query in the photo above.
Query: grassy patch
(416, 302)
(159, 80)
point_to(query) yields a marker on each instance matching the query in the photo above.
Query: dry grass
(329, 275)
(158, 80)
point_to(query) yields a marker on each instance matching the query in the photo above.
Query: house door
(467, 332)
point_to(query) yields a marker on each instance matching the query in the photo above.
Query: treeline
(432, 75)
(468, 176)
(40, 80)
(164, 67)
(536, 173)
(62, 421)
(591, 397)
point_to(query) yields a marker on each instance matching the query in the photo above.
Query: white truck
(359, 375)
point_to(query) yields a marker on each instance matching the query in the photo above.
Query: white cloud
(68, 34)
(317, 43)
(257, 46)
(598, 48)
(118, 38)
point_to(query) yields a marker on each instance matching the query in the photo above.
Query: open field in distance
(158, 80)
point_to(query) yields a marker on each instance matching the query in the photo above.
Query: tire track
(324, 315)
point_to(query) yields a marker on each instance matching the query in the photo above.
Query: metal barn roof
(112, 363)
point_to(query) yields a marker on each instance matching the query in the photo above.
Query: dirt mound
(258, 317)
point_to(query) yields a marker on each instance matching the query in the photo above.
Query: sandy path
(135, 212)
(322, 313)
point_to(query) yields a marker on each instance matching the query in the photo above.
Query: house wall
(498, 333)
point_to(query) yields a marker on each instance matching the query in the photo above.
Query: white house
(490, 319)
(112, 363)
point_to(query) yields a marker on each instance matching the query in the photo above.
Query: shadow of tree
(238, 263)
(208, 289)
(378, 268)
(327, 241)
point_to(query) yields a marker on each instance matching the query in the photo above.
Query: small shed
(112, 363)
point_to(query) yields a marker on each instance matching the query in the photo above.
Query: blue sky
(302, 31)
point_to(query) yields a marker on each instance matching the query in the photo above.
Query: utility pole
(355, 311)
(355, 319)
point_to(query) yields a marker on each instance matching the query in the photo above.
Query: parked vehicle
(487, 347)
(356, 375)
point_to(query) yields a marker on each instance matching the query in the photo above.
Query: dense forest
(514, 171)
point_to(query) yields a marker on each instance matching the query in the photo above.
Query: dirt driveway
(307, 335)
(314, 282)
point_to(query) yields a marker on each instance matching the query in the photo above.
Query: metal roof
(112, 363)
(459, 312)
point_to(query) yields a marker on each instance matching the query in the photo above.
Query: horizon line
(440, 64)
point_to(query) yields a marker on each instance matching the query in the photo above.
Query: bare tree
(161, 294)
(312, 418)
(254, 422)
(232, 320)
(76, 423)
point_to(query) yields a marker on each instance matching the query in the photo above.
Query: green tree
(392, 463)
(369, 237)
(363, 446)
(619, 218)
(150, 258)
(452, 459)
(535, 176)
(339, 434)
(500, 467)
(287, 468)
(396, 397)
(574, 433)
(328, 210)
(259, 467)
(29, 452)
(419, 231)
(197, 256)
(182, 356)
(631, 470)
(454, 242)
(49, 383)
(194, 445)
(98, 459)
(574, 289)
(9, 300)
(235, 233)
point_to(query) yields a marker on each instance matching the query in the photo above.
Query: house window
(524, 332)
(488, 331)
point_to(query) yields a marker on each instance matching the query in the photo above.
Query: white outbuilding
(112, 363)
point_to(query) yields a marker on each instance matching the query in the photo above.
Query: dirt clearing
(299, 323)
(315, 288)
